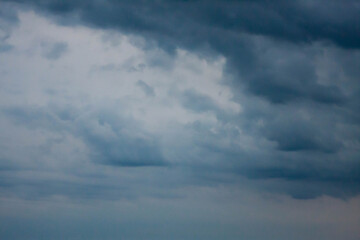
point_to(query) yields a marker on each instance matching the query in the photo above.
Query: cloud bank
(177, 105)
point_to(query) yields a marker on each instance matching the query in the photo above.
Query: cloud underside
(256, 90)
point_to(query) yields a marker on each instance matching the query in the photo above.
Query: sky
(181, 120)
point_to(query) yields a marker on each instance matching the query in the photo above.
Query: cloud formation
(183, 105)
(281, 74)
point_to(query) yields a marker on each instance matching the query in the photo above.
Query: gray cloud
(224, 28)
(8, 19)
(112, 140)
(148, 90)
(293, 67)
(54, 51)
(280, 71)
(244, 125)
(298, 21)
(197, 102)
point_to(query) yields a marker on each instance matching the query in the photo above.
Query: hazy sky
(184, 120)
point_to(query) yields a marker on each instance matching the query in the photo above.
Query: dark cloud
(118, 145)
(111, 139)
(296, 133)
(8, 18)
(292, 65)
(89, 151)
(308, 177)
(223, 26)
(298, 21)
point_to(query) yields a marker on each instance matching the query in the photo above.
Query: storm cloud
(182, 105)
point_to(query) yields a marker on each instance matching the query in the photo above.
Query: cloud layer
(289, 107)
(184, 105)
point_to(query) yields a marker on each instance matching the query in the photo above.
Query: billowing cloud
(212, 116)
(283, 93)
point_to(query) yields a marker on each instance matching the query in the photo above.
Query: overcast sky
(184, 120)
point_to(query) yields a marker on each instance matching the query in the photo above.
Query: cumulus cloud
(269, 101)
(183, 104)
